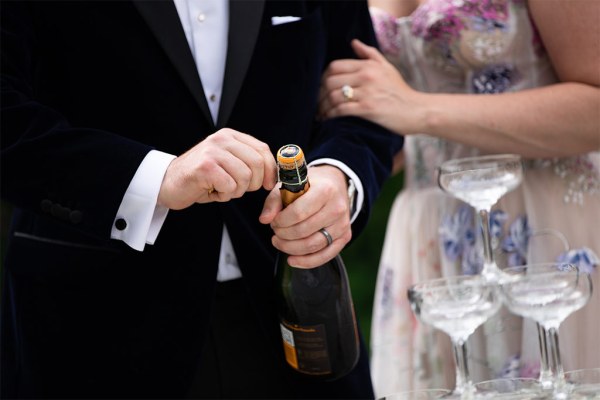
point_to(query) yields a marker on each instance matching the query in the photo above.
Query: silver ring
(348, 92)
(327, 236)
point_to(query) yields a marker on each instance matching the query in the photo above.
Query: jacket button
(120, 224)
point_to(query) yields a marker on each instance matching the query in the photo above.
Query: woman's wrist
(423, 114)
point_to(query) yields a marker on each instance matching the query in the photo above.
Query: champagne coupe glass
(422, 394)
(456, 305)
(584, 383)
(510, 389)
(547, 293)
(553, 243)
(481, 181)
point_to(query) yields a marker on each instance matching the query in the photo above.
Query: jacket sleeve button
(75, 217)
(64, 213)
(46, 205)
(55, 210)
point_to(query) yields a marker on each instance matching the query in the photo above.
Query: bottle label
(305, 348)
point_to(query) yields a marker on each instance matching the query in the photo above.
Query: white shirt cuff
(143, 217)
(360, 195)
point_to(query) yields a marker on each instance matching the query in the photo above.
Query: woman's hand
(380, 94)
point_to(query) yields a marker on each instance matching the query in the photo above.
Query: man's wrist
(139, 217)
(359, 196)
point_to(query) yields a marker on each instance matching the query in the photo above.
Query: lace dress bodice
(469, 46)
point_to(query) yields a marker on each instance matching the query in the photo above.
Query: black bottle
(316, 313)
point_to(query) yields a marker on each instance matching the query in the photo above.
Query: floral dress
(479, 47)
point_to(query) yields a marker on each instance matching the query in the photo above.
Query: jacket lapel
(163, 20)
(244, 23)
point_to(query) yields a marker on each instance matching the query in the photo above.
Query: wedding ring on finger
(327, 236)
(348, 92)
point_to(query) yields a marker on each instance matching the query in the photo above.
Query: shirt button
(213, 97)
(201, 17)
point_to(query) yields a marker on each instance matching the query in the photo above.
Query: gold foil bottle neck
(290, 156)
(293, 173)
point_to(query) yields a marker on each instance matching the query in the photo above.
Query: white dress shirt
(206, 25)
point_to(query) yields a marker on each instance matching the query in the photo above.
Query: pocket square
(283, 20)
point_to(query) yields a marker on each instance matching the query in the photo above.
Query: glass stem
(559, 373)
(545, 369)
(489, 268)
(463, 383)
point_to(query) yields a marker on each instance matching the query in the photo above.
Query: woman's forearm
(551, 121)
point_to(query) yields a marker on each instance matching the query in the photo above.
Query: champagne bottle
(316, 313)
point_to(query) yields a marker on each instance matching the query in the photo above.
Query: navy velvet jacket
(88, 88)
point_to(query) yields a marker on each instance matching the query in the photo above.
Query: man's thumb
(271, 207)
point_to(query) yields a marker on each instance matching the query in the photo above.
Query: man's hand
(296, 227)
(223, 166)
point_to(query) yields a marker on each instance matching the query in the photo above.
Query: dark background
(362, 256)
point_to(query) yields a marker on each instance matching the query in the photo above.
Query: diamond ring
(348, 92)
